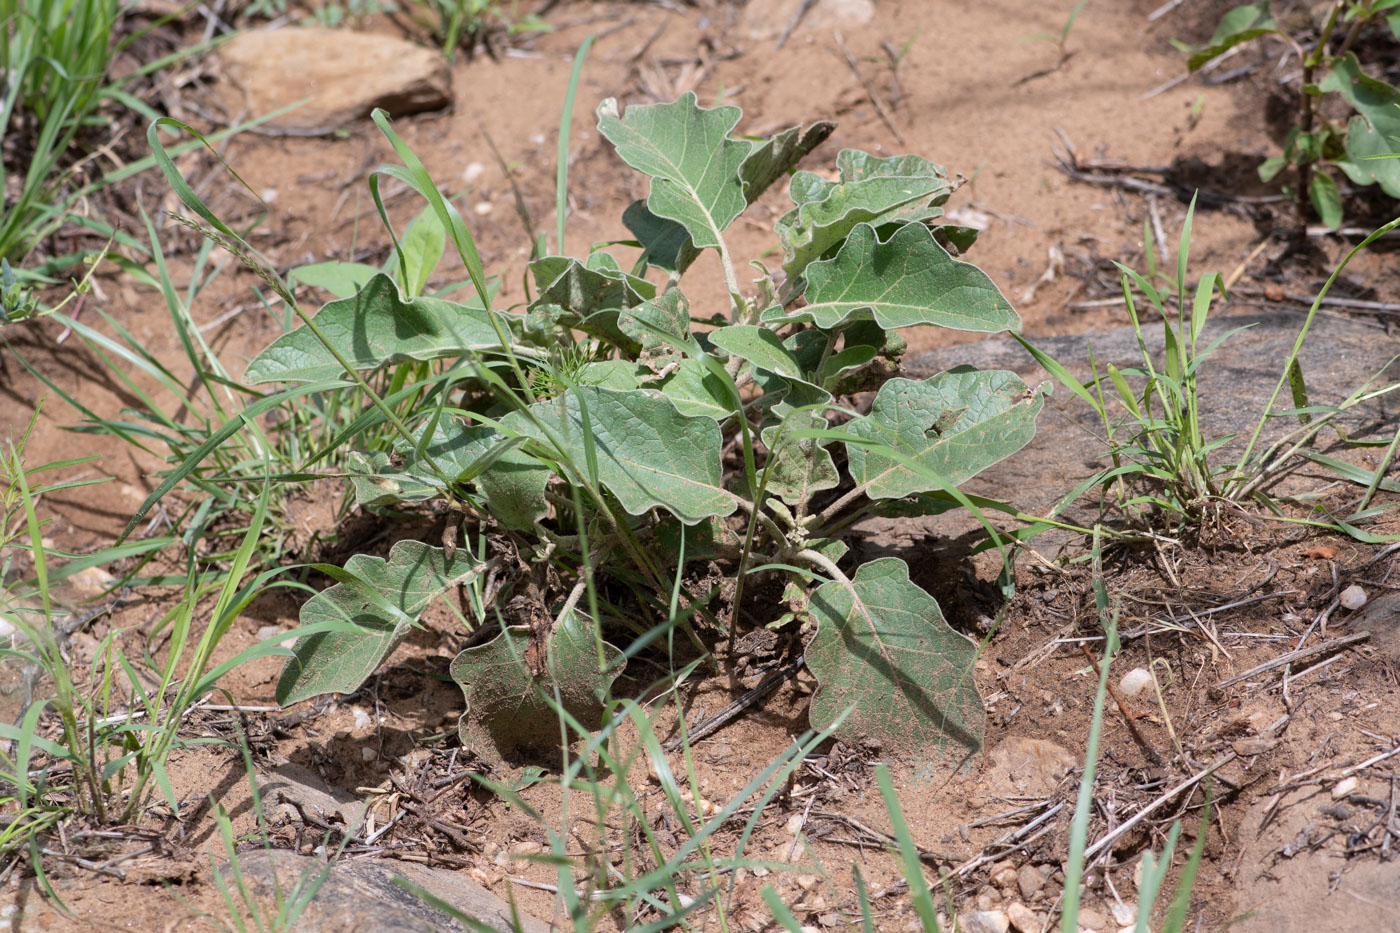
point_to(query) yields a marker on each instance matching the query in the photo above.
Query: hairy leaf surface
(905, 281)
(375, 327)
(883, 649)
(955, 424)
(508, 705)
(868, 190)
(383, 603)
(693, 164)
(649, 454)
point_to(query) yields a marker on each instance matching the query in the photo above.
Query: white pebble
(1135, 681)
(367, 753)
(483, 208)
(361, 719)
(472, 172)
(1345, 786)
(1353, 597)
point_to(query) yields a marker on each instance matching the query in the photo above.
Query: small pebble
(1135, 681)
(367, 753)
(472, 172)
(1030, 879)
(7, 628)
(1345, 786)
(483, 208)
(1092, 919)
(1023, 919)
(984, 921)
(1123, 914)
(1353, 597)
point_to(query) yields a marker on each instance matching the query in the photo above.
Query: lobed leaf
(953, 425)
(1375, 131)
(898, 189)
(379, 601)
(693, 164)
(649, 455)
(883, 651)
(903, 282)
(375, 327)
(508, 690)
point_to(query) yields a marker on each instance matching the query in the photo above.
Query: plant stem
(1307, 112)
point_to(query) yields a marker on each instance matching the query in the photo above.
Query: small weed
(1166, 475)
(1061, 40)
(1317, 148)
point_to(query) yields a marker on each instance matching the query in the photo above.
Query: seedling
(1059, 41)
(1318, 148)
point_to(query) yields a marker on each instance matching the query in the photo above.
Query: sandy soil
(969, 94)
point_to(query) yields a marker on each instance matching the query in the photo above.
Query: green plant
(635, 427)
(1166, 475)
(455, 24)
(1059, 41)
(588, 433)
(1318, 147)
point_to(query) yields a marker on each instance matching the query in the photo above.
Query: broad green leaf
(1326, 199)
(668, 246)
(693, 164)
(611, 374)
(840, 364)
(649, 454)
(512, 481)
(1375, 131)
(803, 467)
(572, 294)
(868, 190)
(694, 390)
(955, 424)
(341, 279)
(376, 481)
(661, 326)
(761, 347)
(1239, 25)
(509, 682)
(385, 600)
(709, 539)
(423, 245)
(375, 327)
(665, 243)
(905, 281)
(883, 650)
(774, 157)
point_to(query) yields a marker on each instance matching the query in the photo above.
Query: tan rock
(1023, 919)
(343, 75)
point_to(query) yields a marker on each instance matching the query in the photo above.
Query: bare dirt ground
(969, 94)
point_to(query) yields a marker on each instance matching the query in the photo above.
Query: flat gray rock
(1236, 381)
(342, 76)
(360, 896)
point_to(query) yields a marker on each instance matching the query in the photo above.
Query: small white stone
(794, 824)
(984, 921)
(268, 194)
(1345, 786)
(1135, 681)
(270, 631)
(367, 753)
(483, 208)
(362, 720)
(1123, 914)
(472, 172)
(1353, 597)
